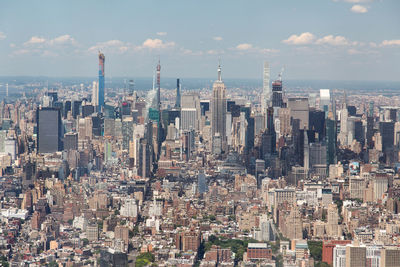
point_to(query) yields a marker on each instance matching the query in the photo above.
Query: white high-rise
(266, 96)
(189, 119)
(95, 94)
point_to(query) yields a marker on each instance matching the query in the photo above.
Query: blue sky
(312, 39)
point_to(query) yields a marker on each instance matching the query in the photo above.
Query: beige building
(356, 187)
(390, 257)
(356, 256)
(333, 229)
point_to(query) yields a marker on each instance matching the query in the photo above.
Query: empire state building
(218, 109)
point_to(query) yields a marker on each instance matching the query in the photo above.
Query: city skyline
(343, 40)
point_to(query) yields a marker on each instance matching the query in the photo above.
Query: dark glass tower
(331, 141)
(49, 130)
(101, 80)
(277, 94)
(178, 94)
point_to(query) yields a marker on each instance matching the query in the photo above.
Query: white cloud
(156, 44)
(268, 51)
(244, 47)
(332, 40)
(390, 42)
(110, 46)
(35, 40)
(12, 45)
(120, 47)
(359, 9)
(63, 39)
(2, 36)
(353, 51)
(249, 48)
(218, 38)
(190, 52)
(161, 33)
(302, 39)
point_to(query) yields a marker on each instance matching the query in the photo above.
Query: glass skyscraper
(49, 130)
(101, 81)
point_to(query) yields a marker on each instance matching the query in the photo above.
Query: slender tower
(266, 97)
(178, 94)
(100, 93)
(158, 90)
(159, 131)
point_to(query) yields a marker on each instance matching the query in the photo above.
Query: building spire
(219, 70)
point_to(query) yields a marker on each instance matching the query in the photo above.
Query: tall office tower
(131, 88)
(284, 121)
(100, 91)
(178, 94)
(299, 110)
(145, 158)
(277, 99)
(189, 119)
(331, 141)
(218, 110)
(191, 101)
(127, 132)
(356, 256)
(67, 108)
(201, 183)
(386, 128)
(95, 93)
(343, 135)
(370, 132)
(324, 99)
(306, 154)
(265, 101)
(317, 123)
(71, 141)
(371, 109)
(49, 130)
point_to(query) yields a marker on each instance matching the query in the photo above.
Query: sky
(310, 39)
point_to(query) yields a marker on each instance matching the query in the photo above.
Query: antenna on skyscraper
(219, 69)
(281, 73)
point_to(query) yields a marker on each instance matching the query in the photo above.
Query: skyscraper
(277, 98)
(218, 109)
(178, 94)
(100, 92)
(331, 141)
(266, 88)
(95, 93)
(386, 128)
(49, 130)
